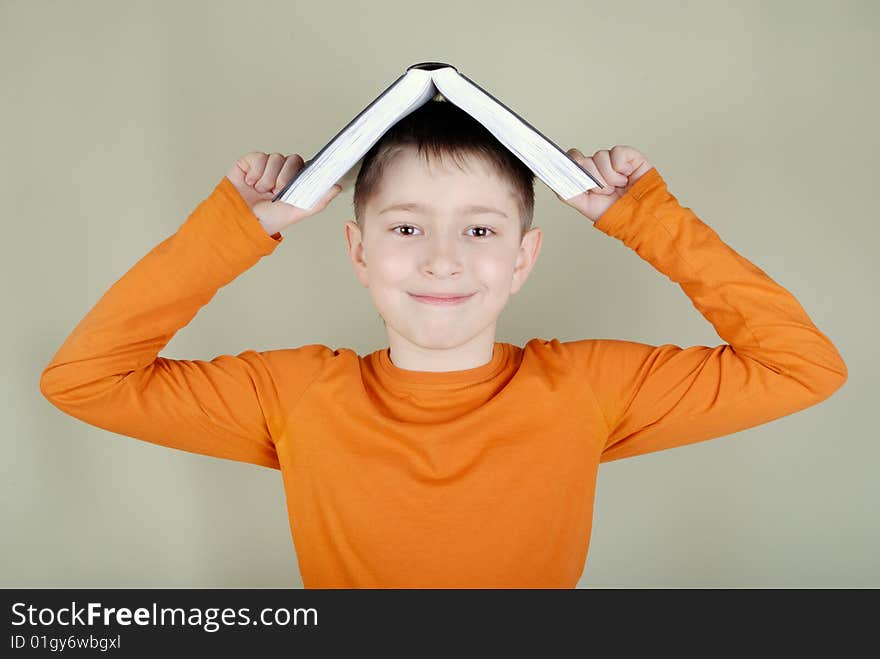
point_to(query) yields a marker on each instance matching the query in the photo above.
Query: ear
(529, 248)
(355, 246)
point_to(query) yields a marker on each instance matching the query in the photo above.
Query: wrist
(269, 226)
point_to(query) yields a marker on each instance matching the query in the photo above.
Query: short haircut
(440, 128)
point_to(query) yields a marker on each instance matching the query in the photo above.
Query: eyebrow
(420, 208)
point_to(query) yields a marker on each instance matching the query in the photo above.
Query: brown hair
(438, 128)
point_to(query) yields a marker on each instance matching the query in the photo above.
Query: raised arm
(108, 372)
(775, 360)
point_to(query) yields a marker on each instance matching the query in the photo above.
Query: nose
(442, 257)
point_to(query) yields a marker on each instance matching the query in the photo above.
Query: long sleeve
(775, 361)
(107, 372)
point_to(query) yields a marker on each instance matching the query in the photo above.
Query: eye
(402, 226)
(485, 228)
(407, 226)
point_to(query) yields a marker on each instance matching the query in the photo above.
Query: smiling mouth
(441, 301)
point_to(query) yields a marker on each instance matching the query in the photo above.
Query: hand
(617, 169)
(258, 177)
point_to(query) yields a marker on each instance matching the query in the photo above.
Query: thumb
(279, 215)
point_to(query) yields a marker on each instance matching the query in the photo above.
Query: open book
(418, 85)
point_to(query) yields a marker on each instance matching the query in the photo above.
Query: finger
(331, 194)
(321, 204)
(626, 159)
(603, 162)
(587, 163)
(575, 154)
(270, 173)
(256, 163)
(291, 166)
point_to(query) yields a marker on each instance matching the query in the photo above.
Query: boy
(446, 460)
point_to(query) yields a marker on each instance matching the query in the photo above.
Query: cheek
(493, 270)
(393, 270)
(388, 265)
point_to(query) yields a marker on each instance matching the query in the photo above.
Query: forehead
(463, 178)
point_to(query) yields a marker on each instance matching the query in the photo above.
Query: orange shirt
(479, 478)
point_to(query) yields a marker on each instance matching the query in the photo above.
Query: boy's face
(441, 248)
